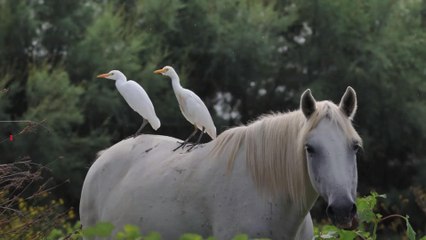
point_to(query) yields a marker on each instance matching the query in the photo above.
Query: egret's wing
(139, 101)
(137, 98)
(183, 106)
(198, 112)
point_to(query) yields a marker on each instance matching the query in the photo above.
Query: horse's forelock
(327, 109)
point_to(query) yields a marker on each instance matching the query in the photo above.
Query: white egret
(191, 106)
(136, 97)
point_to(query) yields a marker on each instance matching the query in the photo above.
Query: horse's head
(331, 145)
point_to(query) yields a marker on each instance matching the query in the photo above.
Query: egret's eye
(309, 149)
(111, 74)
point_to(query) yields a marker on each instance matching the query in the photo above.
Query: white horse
(261, 179)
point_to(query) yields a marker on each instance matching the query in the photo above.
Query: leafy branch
(367, 217)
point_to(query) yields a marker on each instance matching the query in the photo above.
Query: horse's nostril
(353, 210)
(330, 211)
(341, 210)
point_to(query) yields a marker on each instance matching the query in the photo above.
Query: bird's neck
(176, 82)
(120, 80)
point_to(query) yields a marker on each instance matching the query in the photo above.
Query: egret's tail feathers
(211, 132)
(155, 123)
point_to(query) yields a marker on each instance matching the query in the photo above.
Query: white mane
(275, 151)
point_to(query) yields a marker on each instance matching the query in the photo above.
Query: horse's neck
(284, 216)
(295, 128)
(275, 162)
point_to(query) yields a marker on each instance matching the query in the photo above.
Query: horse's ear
(307, 103)
(348, 103)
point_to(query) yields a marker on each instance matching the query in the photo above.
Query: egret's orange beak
(159, 71)
(105, 75)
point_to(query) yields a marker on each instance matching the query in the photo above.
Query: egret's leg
(142, 126)
(201, 135)
(198, 140)
(182, 144)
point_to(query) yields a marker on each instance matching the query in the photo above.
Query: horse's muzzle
(343, 215)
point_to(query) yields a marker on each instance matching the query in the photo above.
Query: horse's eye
(356, 147)
(309, 149)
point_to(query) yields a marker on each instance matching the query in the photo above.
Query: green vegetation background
(242, 57)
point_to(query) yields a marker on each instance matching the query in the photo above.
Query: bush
(31, 214)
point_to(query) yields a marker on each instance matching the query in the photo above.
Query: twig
(71, 234)
(13, 210)
(30, 122)
(391, 216)
(19, 178)
(31, 125)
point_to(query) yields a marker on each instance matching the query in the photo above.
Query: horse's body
(242, 182)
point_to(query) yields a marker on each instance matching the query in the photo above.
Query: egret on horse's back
(260, 179)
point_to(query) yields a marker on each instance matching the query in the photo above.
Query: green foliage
(129, 232)
(46, 92)
(108, 44)
(4, 103)
(191, 236)
(17, 27)
(365, 206)
(66, 232)
(241, 237)
(367, 218)
(410, 231)
(101, 229)
(60, 25)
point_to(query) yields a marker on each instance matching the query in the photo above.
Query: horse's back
(110, 169)
(141, 181)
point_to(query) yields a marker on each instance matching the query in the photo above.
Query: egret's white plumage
(135, 96)
(191, 106)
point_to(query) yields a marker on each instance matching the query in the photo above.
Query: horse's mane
(274, 148)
